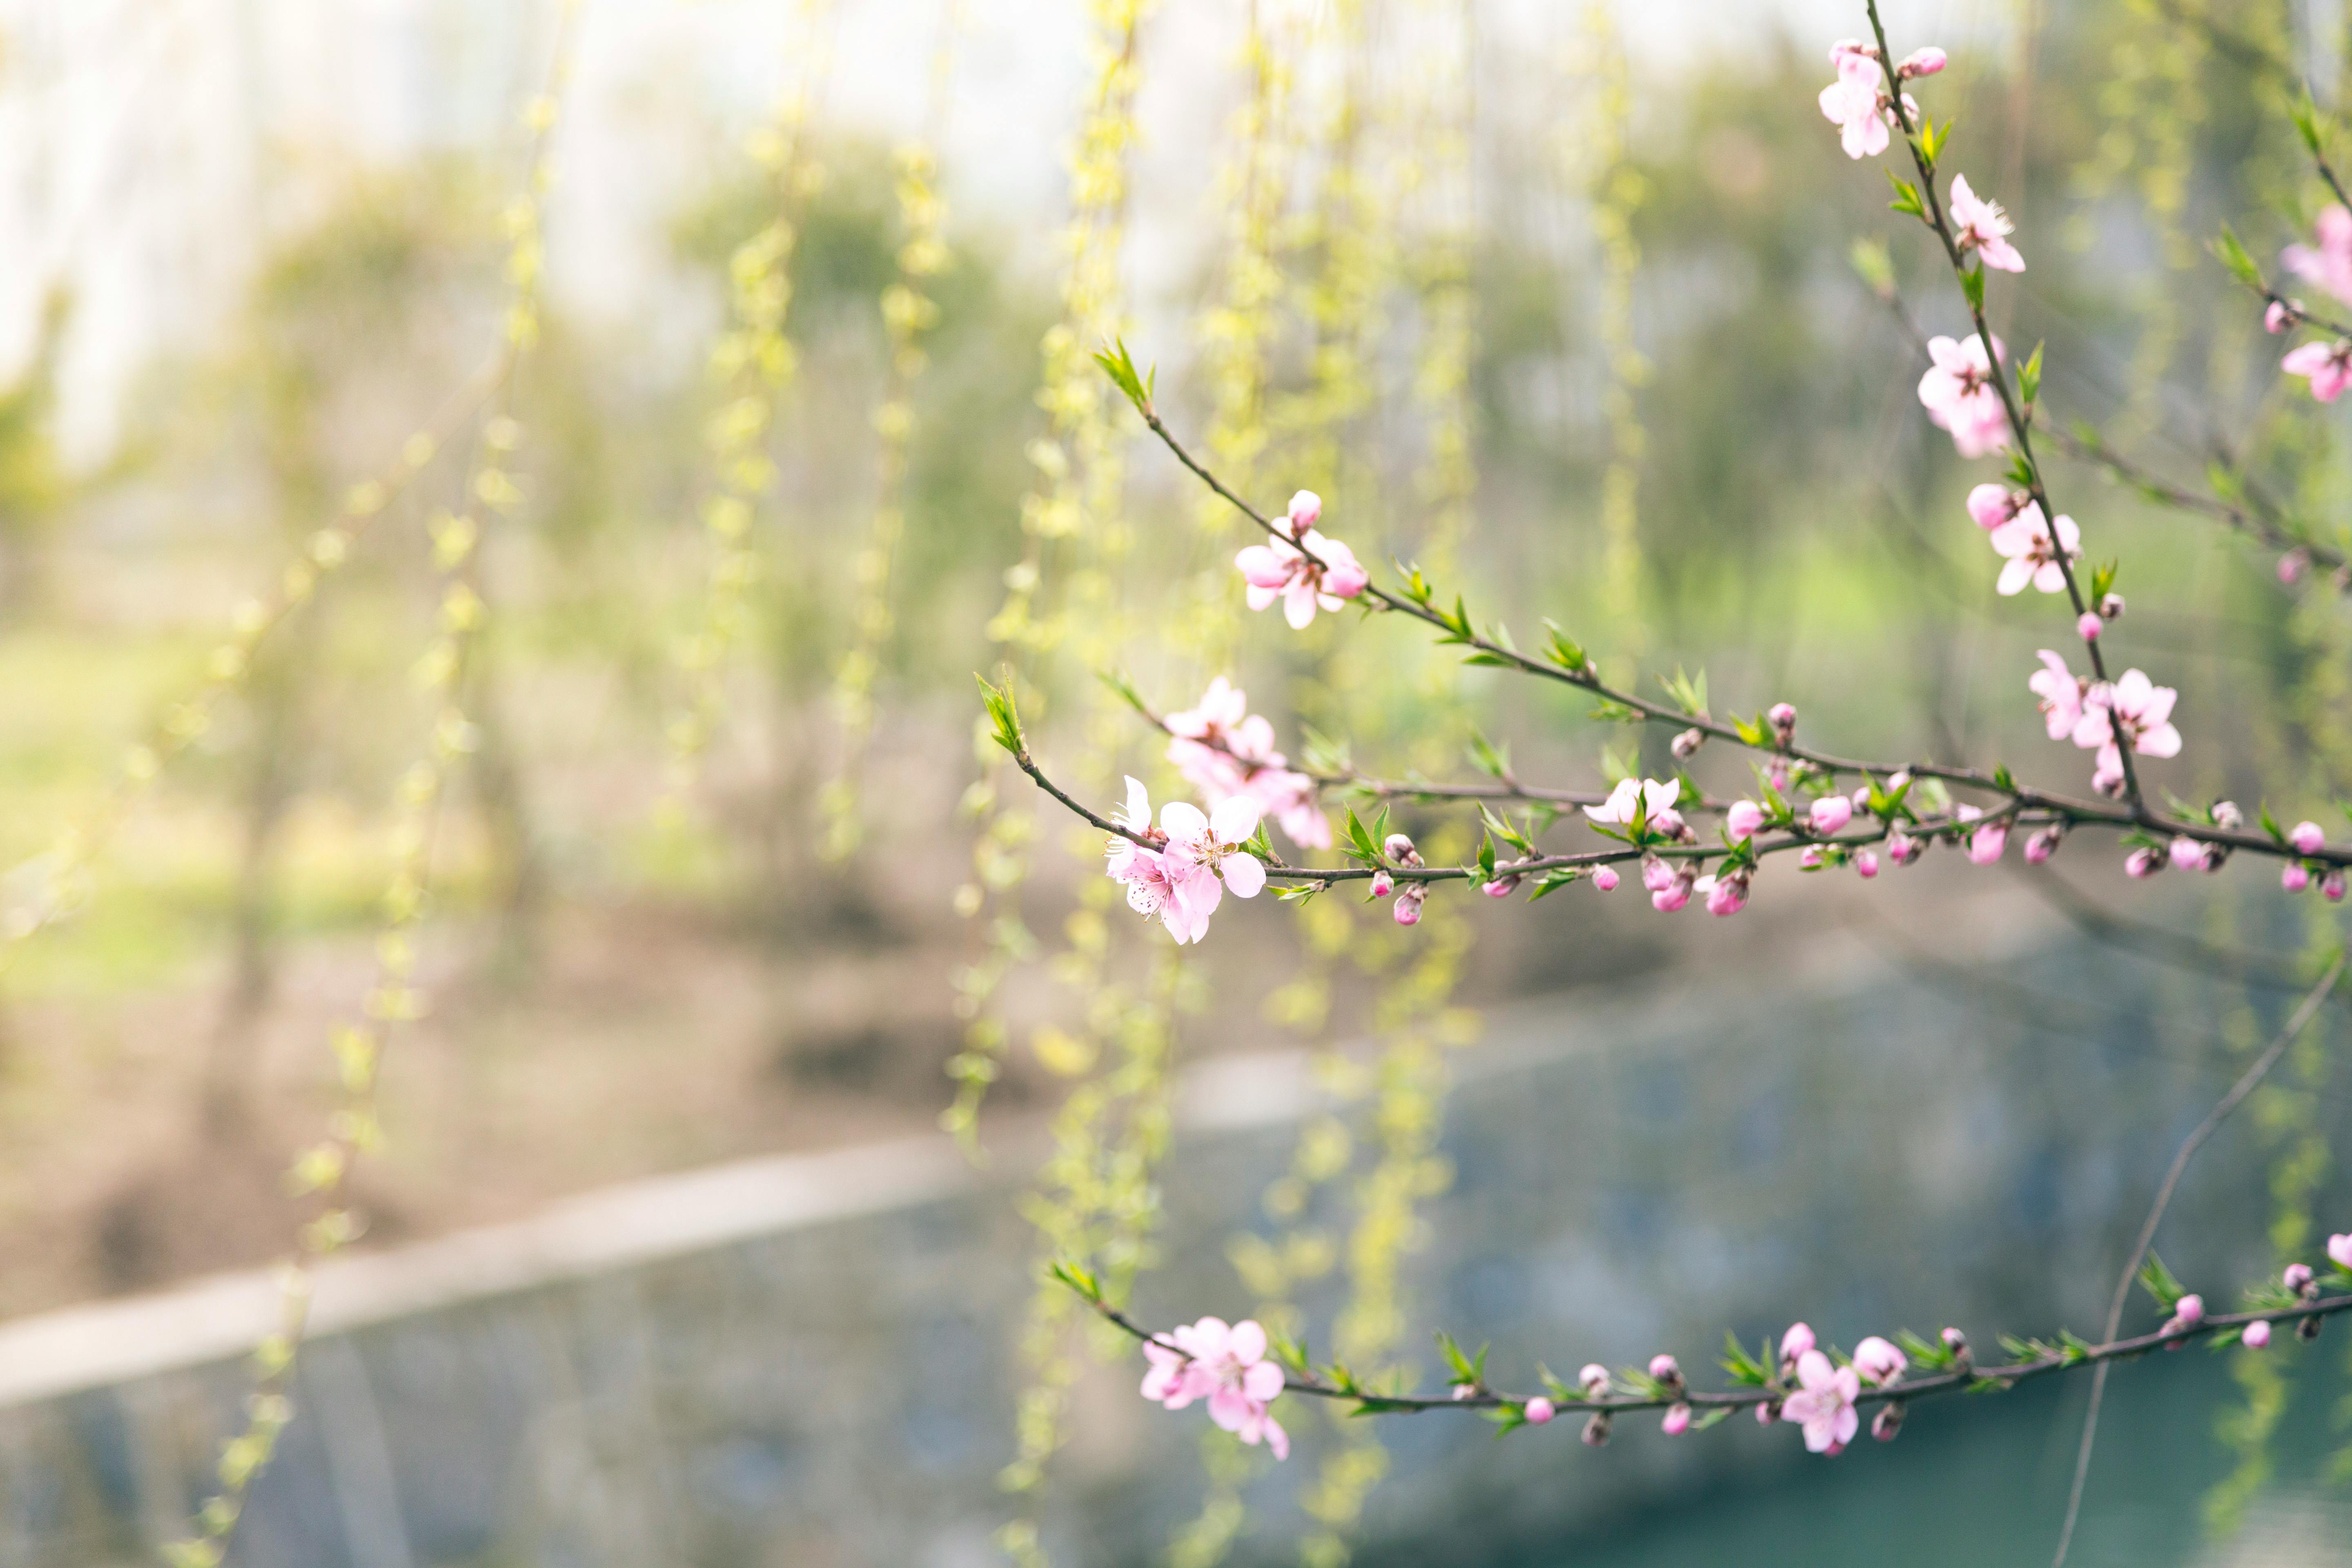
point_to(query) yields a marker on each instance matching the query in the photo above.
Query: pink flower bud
(2041, 846)
(1658, 873)
(1593, 1378)
(1465, 1390)
(1768, 1413)
(1501, 888)
(2339, 1251)
(1986, 844)
(1537, 1411)
(1920, 62)
(1783, 715)
(2143, 863)
(1382, 883)
(1878, 1362)
(1399, 849)
(2188, 855)
(1903, 849)
(1305, 510)
(2110, 607)
(2089, 625)
(1829, 813)
(1665, 1369)
(1728, 896)
(1889, 1423)
(1865, 864)
(2255, 1336)
(2307, 838)
(2190, 1311)
(1596, 1431)
(1677, 1421)
(2227, 816)
(2277, 318)
(1605, 879)
(1811, 859)
(1409, 902)
(1743, 820)
(1669, 900)
(2292, 566)
(1685, 745)
(1668, 823)
(2331, 886)
(1992, 505)
(2294, 877)
(1796, 1341)
(2296, 1277)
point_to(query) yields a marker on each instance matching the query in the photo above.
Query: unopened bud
(1536, 1410)
(1500, 888)
(1768, 1413)
(1400, 849)
(1957, 1343)
(2227, 816)
(1677, 1421)
(1783, 717)
(2307, 1329)
(2111, 606)
(2297, 1278)
(1382, 883)
(1665, 1369)
(1920, 62)
(1596, 1431)
(1887, 1422)
(1593, 1378)
(1605, 879)
(1685, 745)
(1409, 902)
(2331, 886)
(2089, 625)
(2255, 1335)
(2294, 563)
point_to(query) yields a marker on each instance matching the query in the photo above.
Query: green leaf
(1487, 758)
(2003, 778)
(2158, 1282)
(1708, 1417)
(2270, 825)
(1688, 694)
(1001, 711)
(2234, 256)
(1299, 892)
(1557, 878)
(1077, 1276)
(1124, 690)
(2305, 115)
(2102, 579)
(1363, 846)
(1907, 197)
(1486, 857)
(2029, 380)
(1610, 711)
(1564, 652)
(1120, 365)
(1972, 284)
(1743, 1367)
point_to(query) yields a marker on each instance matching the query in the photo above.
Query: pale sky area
(147, 146)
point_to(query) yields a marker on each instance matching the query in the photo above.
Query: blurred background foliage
(626, 982)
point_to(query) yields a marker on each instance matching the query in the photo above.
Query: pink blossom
(2188, 854)
(2296, 1277)
(1920, 62)
(1903, 849)
(1853, 103)
(1537, 1411)
(1878, 1362)
(1992, 505)
(1986, 844)
(1677, 1421)
(1794, 1343)
(2339, 1251)
(2277, 318)
(2089, 625)
(1605, 879)
(2256, 1335)
(1645, 800)
(2060, 690)
(2108, 774)
(1824, 1406)
(2033, 554)
(2294, 877)
(2329, 266)
(2308, 837)
(1223, 749)
(2143, 863)
(1282, 569)
(1865, 864)
(2135, 706)
(1228, 1367)
(1960, 396)
(2329, 367)
(1205, 857)
(1829, 813)
(1981, 226)
(1724, 895)
(1677, 893)
(2039, 847)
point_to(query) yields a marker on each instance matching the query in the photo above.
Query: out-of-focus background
(666, 1255)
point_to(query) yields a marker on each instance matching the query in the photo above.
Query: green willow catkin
(322, 1171)
(752, 362)
(908, 312)
(1618, 190)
